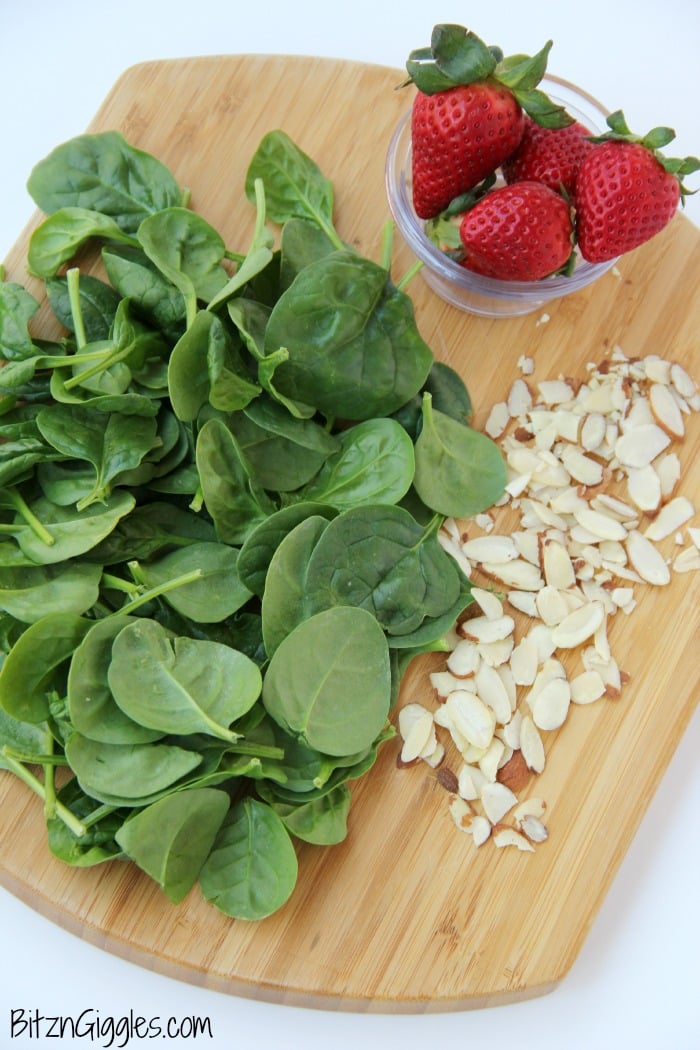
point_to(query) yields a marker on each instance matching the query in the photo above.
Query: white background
(635, 982)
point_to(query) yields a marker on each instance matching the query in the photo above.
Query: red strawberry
(549, 155)
(626, 190)
(468, 114)
(521, 232)
(459, 136)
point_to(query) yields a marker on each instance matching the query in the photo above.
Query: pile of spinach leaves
(220, 492)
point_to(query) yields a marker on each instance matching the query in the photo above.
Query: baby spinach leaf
(104, 173)
(98, 305)
(171, 838)
(35, 665)
(110, 442)
(186, 250)
(92, 709)
(57, 239)
(215, 595)
(284, 452)
(302, 242)
(459, 471)
(96, 844)
(32, 740)
(250, 320)
(17, 307)
(234, 502)
(380, 559)
(373, 464)
(127, 774)
(155, 300)
(206, 366)
(150, 529)
(258, 549)
(322, 821)
(330, 681)
(354, 350)
(28, 593)
(73, 532)
(181, 685)
(294, 185)
(252, 868)
(284, 601)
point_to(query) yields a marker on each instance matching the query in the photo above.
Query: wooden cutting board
(405, 915)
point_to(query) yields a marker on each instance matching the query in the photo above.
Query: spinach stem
(97, 814)
(73, 282)
(61, 811)
(156, 592)
(106, 359)
(116, 583)
(37, 527)
(50, 799)
(410, 274)
(50, 759)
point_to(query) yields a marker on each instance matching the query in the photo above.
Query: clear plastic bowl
(460, 287)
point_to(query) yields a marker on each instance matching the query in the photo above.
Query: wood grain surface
(405, 915)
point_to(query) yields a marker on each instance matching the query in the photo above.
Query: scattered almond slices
(595, 483)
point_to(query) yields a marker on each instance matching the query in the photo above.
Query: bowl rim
(401, 206)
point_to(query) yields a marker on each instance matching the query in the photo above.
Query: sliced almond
(682, 382)
(529, 807)
(531, 745)
(646, 559)
(599, 525)
(552, 606)
(557, 566)
(578, 626)
(587, 687)
(505, 836)
(672, 516)
(464, 659)
(644, 487)
(462, 813)
(641, 445)
(417, 731)
(665, 410)
(687, 560)
(551, 704)
(471, 717)
(480, 829)
(496, 653)
(524, 601)
(533, 828)
(554, 391)
(497, 800)
(470, 781)
(497, 420)
(593, 429)
(491, 548)
(482, 629)
(443, 682)
(491, 689)
(582, 468)
(517, 575)
(489, 603)
(519, 399)
(524, 661)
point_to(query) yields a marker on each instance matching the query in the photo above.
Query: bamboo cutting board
(405, 915)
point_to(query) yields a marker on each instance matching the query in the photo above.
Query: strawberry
(468, 113)
(521, 232)
(549, 155)
(460, 136)
(626, 190)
